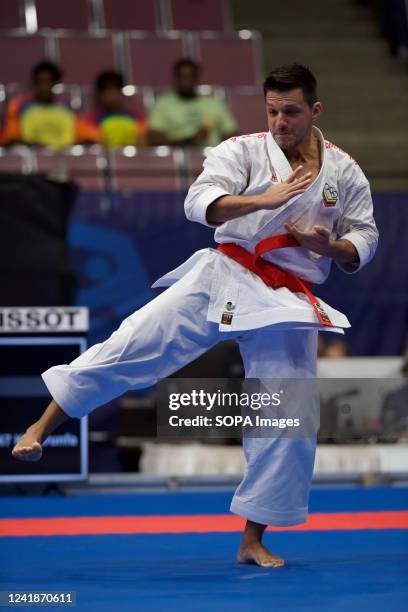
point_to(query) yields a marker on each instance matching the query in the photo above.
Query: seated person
(118, 125)
(38, 118)
(394, 411)
(182, 117)
(335, 349)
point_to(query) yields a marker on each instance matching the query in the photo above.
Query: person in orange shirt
(38, 118)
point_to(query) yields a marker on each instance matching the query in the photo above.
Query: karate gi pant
(171, 331)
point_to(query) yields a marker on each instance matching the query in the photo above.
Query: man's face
(42, 86)
(290, 118)
(111, 98)
(186, 81)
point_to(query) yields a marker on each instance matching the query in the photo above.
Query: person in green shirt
(182, 117)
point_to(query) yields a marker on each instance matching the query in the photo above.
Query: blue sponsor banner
(375, 300)
(122, 242)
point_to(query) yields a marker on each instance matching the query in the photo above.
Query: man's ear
(317, 109)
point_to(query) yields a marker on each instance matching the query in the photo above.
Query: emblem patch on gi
(227, 315)
(226, 318)
(330, 195)
(229, 306)
(274, 178)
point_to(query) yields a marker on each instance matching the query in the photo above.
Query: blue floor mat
(326, 571)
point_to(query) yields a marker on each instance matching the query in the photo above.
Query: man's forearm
(344, 253)
(230, 207)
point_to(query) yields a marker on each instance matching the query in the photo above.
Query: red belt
(272, 275)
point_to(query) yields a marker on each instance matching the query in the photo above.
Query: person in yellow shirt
(119, 126)
(38, 118)
(182, 117)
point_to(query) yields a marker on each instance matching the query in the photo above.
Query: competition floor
(165, 551)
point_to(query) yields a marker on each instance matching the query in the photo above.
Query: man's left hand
(317, 239)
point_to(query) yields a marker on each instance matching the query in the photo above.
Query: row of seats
(148, 15)
(144, 59)
(127, 169)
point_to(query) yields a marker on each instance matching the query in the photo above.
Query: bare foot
(28, 448)
(254, 552)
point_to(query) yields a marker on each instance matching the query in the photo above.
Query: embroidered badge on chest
(330, 195)
(274, 178)
(227, 315)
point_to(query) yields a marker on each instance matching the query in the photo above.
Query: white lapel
(278, 158)
(298, 205)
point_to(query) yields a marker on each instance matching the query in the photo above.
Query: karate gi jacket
(338, 199)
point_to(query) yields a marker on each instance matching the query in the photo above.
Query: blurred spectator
(118, 125)
(394, 411)
(321, 345)
(336, 349)
(37, 118)
(183, 117)
(394, 26)
(333, 349)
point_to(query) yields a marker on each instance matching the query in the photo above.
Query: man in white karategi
(285, 204)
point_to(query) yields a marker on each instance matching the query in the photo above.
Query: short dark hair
(186, 61)
(46, 66)
(107, 79)
(292, 76)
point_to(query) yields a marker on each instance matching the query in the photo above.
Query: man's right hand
(279, 194)
(228, 207)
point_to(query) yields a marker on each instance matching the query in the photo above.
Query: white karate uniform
(275, 328)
